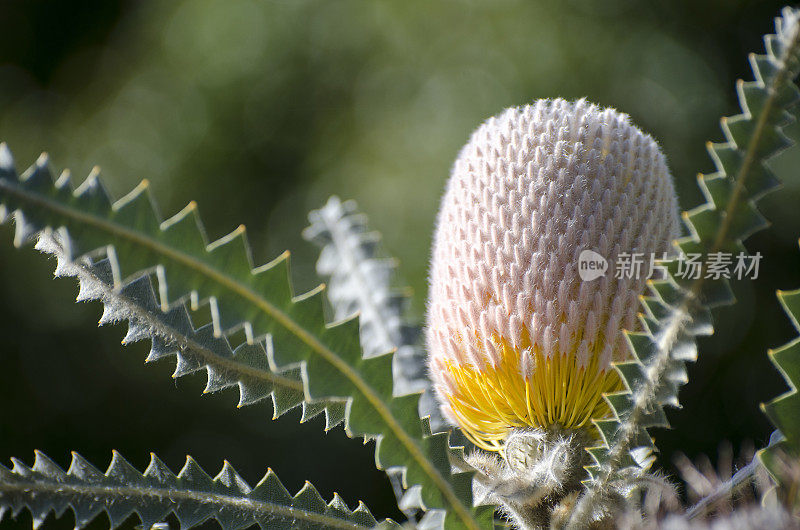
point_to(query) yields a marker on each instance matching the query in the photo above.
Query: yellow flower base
(490, 401)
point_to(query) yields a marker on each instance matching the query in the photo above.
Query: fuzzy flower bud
(516, 338)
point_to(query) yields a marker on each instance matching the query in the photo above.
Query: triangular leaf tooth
(362, 419)
(425, 425)
(232, 253)
(312, 410)
(649, 325)
(18, 467)
(193, 476)
(361, 515)
(594, 473)
(405, 407)
(81, 469)
(787, 360)
(45, 469)
(191, 473)
(309, 498)
(64, 182)
(185, 230)
(308, 310)
(621, 404)
(252, 391)
(273, 278)
(703, 220)
(642, 346)
(38, 177)
(633, 374)
(668, 291)
(159, 472)
(677, 373)
(136, 332)
(285, 399)
(270, 489)
(91, 195)
(186, 364)
(666, 393)
(229, 478)
(764, 68)
(160, 348)
(726, 157)
(44, 466)
(684, 349)
(335, 414)
(700, 322)
(656, 309)
(122, 472)
(738, 129)
(609, 428)
(655, 417)
(437, 449)
(218, 379)
(599, 454)
(717, 189)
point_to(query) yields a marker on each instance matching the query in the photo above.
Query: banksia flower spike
(516, 338)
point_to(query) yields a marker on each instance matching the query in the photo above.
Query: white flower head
(515, 338)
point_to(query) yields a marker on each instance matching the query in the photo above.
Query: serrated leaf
(679, 310)
(172, 334)
(193, 496)
(360, 281)
(259, 300)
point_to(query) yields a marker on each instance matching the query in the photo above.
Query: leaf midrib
(176, 496)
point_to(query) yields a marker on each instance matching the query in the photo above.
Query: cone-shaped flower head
(515, 337)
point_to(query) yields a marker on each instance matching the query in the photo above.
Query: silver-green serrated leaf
(678, 311)
(192, 495)
(172, 334)
(130, 235)
(360, 282)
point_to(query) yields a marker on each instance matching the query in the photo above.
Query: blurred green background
(261, 109)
